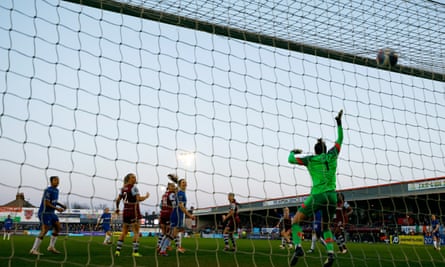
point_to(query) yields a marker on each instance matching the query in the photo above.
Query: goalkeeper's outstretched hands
(338, 118)
(296, 151)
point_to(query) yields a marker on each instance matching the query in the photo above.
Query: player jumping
(322, 167)
(166, 211)
(179, 203)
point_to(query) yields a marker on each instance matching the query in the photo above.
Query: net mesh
(360, 28)
(92, 94)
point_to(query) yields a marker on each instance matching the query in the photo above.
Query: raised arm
(339, 130)
(292, 159)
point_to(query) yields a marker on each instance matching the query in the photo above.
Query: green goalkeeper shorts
(326, 202)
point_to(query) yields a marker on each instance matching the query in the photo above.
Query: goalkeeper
(322, 167)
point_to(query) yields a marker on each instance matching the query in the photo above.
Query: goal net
(219, 92)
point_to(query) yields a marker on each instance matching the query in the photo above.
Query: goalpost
(219, 92)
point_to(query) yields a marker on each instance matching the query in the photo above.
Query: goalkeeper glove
(296, 151)
(338, 118)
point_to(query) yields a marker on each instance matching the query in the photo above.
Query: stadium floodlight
(186, 159)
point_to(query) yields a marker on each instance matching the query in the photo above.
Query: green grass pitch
(89, 251)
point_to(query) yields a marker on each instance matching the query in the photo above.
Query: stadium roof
(19, 202)
(398, 189)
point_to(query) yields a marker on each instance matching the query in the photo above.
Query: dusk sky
(90, 96)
